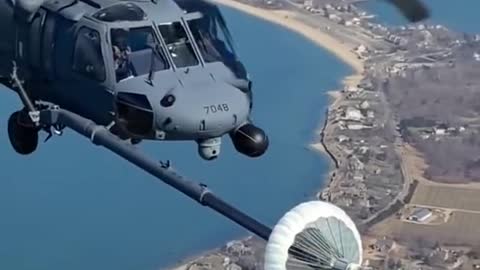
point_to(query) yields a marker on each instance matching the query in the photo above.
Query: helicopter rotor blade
(413, 10)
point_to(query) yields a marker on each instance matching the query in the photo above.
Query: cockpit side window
(87, 58)
(136, 52)
(178, 44)
(212, 39)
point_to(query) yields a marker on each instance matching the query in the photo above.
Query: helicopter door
(89, 80)
(88, 63)
(35, 39)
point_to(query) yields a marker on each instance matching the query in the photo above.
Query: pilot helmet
(120, 37)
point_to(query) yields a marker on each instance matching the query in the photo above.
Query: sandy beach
(317, 36)
(287, 19)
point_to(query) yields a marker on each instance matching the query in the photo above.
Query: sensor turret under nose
(209, 149)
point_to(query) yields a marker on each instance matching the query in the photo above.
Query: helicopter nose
(202, 112)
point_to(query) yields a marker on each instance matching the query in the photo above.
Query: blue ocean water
(76, 206)
(459, 15)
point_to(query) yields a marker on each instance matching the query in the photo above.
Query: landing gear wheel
(23, 139)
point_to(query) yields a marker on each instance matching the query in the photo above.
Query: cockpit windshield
(136, 52)
(213, 39)
(178, 44)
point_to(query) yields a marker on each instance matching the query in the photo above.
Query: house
(361, 50)
(346, 22)
(334, 17)
(342, 138)
(355, 126)
(365, 105)
(358, 177)
(440, 129)
(308, 3)
(353, 114)
(476, 56)
(363, 150)
(425, 136)
(351, 89)
(420, 214)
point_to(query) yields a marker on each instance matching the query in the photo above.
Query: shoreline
(184, 263)
(375, 174)
(320, 38)
(323, 40)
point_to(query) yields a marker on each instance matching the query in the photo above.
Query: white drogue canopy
(314, 235)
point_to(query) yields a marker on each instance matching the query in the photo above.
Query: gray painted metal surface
(151, 70)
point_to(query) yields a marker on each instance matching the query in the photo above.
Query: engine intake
(134, 113)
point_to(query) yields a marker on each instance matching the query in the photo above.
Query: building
(355, 126)
(358, 176)
(420, 214)
(351, 88)
(440, 129)
(353, 114)
(308, 3)
(364, 105)
(342, 138)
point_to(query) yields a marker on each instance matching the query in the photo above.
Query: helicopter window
(121, 12)
(88, 59)
(212, 39)
(136, 52)
(178, 44)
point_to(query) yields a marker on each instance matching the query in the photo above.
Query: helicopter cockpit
(212, 36)
(136, 52)
(213, 39)
(141, 49)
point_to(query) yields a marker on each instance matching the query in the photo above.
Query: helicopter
(149, 70)
(119, 72)
(161, 70)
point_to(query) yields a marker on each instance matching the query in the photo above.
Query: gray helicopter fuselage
(7, 42)
(182, 81)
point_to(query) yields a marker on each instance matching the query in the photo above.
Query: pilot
(206, 40)
(121, 51)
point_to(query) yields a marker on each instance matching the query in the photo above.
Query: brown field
(461, 228)
(447, 197)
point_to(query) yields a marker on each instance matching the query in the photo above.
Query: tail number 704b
(216, 108)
